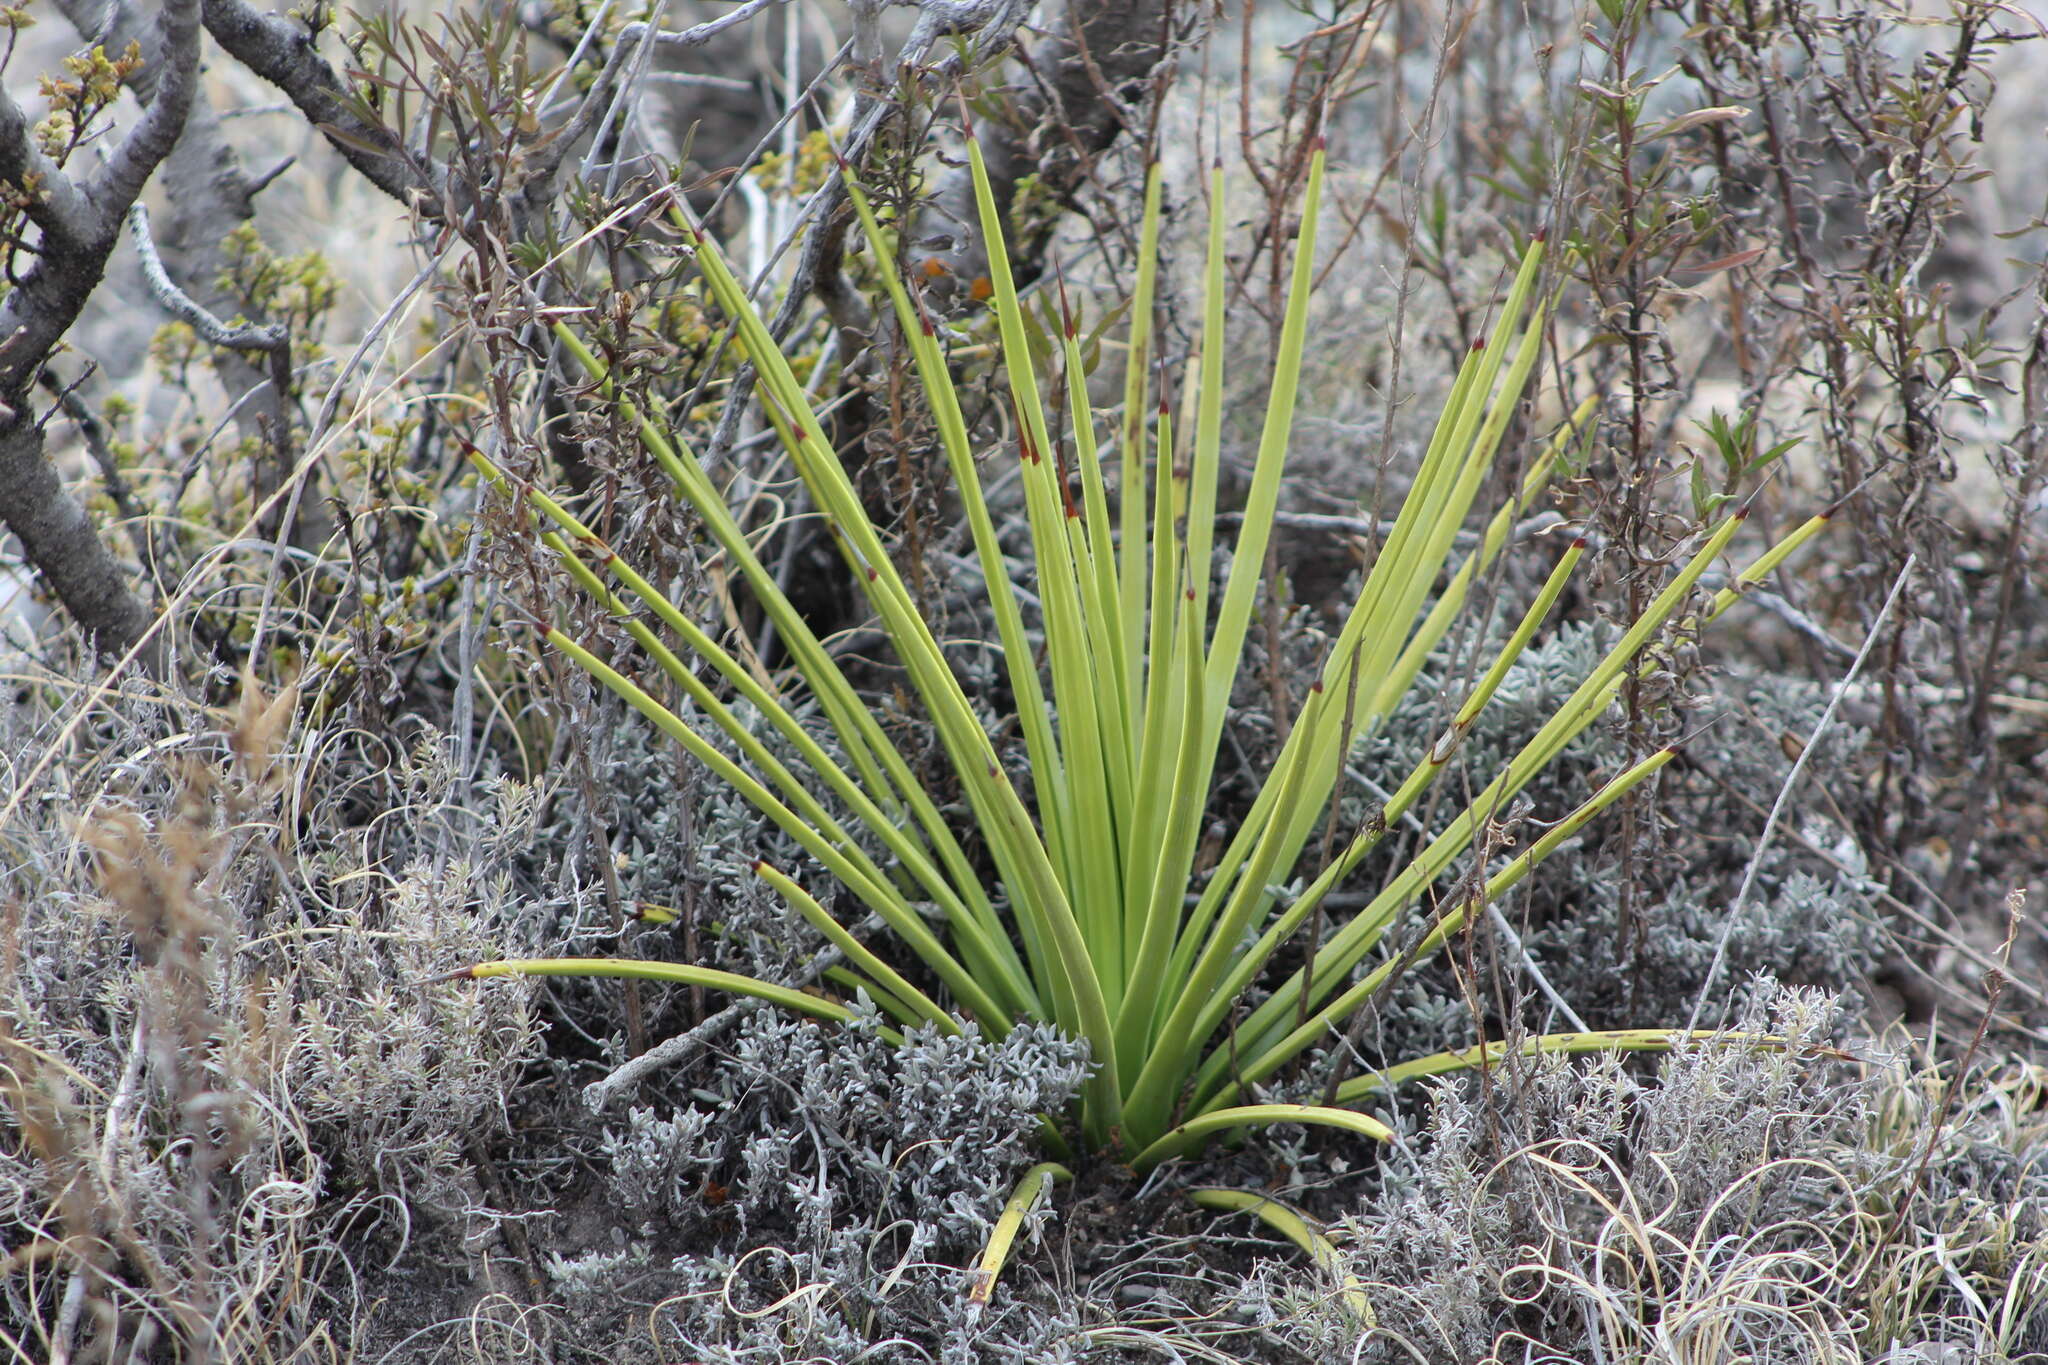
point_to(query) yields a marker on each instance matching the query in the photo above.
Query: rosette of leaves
(1089, 912)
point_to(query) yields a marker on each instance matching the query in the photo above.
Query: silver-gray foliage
(1577, 1209)
(822, 1196)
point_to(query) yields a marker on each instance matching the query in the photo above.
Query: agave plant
(1089, 910)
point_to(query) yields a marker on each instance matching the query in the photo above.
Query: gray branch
(58, 208)
(283, 54)
(698, 34)
(80, 225)
(207, 196)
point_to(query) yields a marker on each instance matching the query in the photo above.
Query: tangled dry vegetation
(282, 751)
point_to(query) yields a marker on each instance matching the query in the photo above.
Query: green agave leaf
(1186, 1137)
(1453, 467)
(984, 942)
(843, 864)
(676, 973)
(1035, 1186)
(1122, 696)
(1272, 1044)
(1295, 1226)
(1570, 1044)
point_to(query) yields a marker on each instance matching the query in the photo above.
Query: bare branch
(83, 222)
(284, 55)
(62, 542)
(56, 207)
(79, 228)
(114, 188)
(698, 34)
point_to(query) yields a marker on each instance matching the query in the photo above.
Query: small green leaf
(1772, 455)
